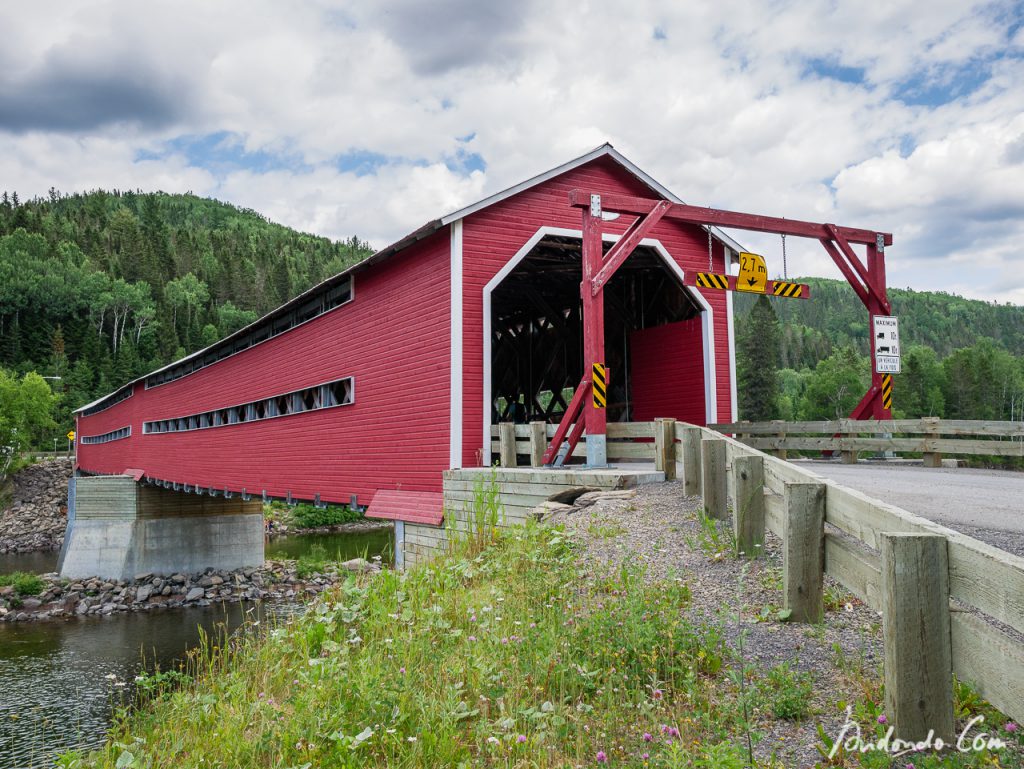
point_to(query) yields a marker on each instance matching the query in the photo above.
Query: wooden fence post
(846, 455)
(916, 635)
(748, 507)
(507, 444)
(803, 551)
(691, 461)
(931, 429)
(781, 434)
(714, 483)
(538, 443)
(665, 447)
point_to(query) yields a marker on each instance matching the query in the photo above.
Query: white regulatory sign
(886, 339)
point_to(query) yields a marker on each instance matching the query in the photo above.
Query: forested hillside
(100, 288)
(962, 358)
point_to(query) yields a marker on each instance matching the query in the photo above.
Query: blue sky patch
(943, 84)
(363, 162)
(465, 163)
(831, 69)
(224, 151)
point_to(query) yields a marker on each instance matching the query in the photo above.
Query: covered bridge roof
(605, 150)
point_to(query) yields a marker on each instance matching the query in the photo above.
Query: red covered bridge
(390, 373)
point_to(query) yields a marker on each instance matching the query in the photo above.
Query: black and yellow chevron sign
(600, 386)
(887, 391)
(789, 290)
(712, 280)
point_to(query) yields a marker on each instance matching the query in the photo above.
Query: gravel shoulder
(658, 527)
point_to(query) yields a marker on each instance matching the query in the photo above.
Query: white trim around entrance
(455, 400)
(707, 323)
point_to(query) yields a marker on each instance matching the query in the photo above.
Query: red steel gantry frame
(867, 278)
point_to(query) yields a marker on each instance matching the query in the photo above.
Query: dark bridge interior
(537, 333)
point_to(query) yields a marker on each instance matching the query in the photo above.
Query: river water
(59, 679)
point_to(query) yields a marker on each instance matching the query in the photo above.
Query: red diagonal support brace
(848, 273)
(574, 413)
(618, 253)
(862, 271)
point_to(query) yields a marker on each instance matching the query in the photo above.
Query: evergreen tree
(757, 352)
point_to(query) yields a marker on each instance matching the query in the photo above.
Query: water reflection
(54, 690)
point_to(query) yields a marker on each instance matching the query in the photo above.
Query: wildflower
(882, 719)
(402, 671)
(493, 740)
(411, 739)
(472, 638)
(657, 694)
(645, 756)
(849, 606)
(648, 736)
(602, 758)
(1011, 727)
(521, 739)
(472, 618)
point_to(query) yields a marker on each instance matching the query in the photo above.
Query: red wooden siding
(666, 372)
(492, 236)
(393, 338)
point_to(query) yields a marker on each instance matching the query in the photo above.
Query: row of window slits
(339, 393)
(113, 435)
(311, 308)
(113, 400)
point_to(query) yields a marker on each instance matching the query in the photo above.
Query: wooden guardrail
(518, 444)
(940, 592)
(932, 437)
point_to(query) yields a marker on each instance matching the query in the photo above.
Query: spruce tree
(757, 353)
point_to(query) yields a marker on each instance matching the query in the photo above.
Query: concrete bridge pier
(118, 528)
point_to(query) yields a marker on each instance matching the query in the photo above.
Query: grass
(23, 583)
(714, 538)
(789, 693)
(500, 656)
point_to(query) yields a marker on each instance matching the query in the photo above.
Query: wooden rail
(959, 597)
(928, 581)
(932, 437)
(516, 444)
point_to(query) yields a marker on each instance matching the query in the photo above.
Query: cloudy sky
(370, 118)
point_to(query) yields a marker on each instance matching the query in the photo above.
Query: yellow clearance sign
(71, 435)
(753, 275)
(600, 386)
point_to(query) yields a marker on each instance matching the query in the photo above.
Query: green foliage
(102, 287)
(757, 350)
(834, 317)
(24, 583)
(309, 516)
(160, 682)
(962, 358)
(835, 386)
(26, 415)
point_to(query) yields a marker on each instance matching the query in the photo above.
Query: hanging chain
(710, 267)
(785, 270)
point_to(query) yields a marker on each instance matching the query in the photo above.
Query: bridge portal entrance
(653, 335)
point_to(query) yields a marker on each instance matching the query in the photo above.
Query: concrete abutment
(118, 528)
